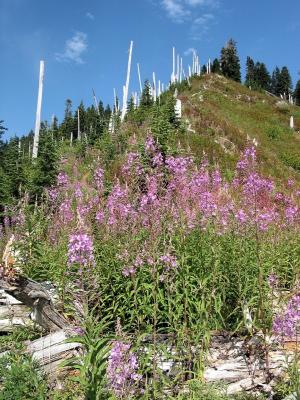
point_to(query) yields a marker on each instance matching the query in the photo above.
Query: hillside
(219, 118)
(171, 247)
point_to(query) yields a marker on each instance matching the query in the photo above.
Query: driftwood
(32, 294)
(239, 364)
(20, 295)
(12, 313)
(52, 349)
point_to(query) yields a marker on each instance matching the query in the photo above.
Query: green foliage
(46, 167)
(198, 390)
(230, 63)
(291, 159)
(163, 122)
(20, 378)
(257, 75)
(281, 82)
(275, 132)
(216, 67)
(297, 93)
(92, 364)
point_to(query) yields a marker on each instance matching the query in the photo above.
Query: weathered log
(52, 349)
(35, 296)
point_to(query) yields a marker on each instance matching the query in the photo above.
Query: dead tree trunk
(35, 296)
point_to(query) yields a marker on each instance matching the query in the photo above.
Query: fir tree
(284, 82)
(216, 68)
(297, 93)
(275, 81)
(67, 125)
(250, 72)
(47, 164)
(230, 63)
(146, 98)
(262, 78)
(203, 69)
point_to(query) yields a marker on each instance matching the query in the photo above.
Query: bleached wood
(96, 102)
(180, 74)
(115, 100)
(139, 75)
(173, 71)
(78, 126)
(177, 69)
(38, 112)
(127, 82)
(154, 86)
(292, 125)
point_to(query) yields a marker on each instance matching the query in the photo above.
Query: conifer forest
(150, 247)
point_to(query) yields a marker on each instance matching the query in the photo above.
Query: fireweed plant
(171, 247)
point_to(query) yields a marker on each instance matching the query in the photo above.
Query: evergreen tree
(204, 69)
(82, 121)
(216, 68)
(262, 76)
(230, 63)
(297, 93)
(46, 167)
(250, 72)
(67, 126)
(284, 82)
(275, 81)
(146, 98)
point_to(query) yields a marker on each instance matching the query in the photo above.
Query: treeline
(21, 175)
(257, 77)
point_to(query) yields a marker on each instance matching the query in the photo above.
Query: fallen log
(52, 349)
(32, 294)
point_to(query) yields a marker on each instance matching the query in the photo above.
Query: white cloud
(74, 48)
(201, 25)
(184, 10)
(189, 51)
(90, 16)
(176, 10)
(203, 3)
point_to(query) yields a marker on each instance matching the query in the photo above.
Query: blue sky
(85, 45)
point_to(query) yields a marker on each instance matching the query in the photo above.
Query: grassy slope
(218, 117)
(224, 111)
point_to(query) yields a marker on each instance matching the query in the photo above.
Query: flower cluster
(122, 369)
(62, 179)
(286, 323)
(81, 250)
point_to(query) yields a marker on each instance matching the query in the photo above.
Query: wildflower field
(155, 251)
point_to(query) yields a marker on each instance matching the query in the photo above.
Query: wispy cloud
(201, 25)
(74, 48)
(198, 13)
(90, 16)
(189, 51)
(176, 10)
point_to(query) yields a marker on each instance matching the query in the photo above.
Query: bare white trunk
(71, 139)
(127, 82)
(78, 126)
(180, 74)
(292, 125)
(173, 71)
(115, 100)
(139, 75)
(154, 87)
(38, 112)
(177, 72)
(96, 102)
